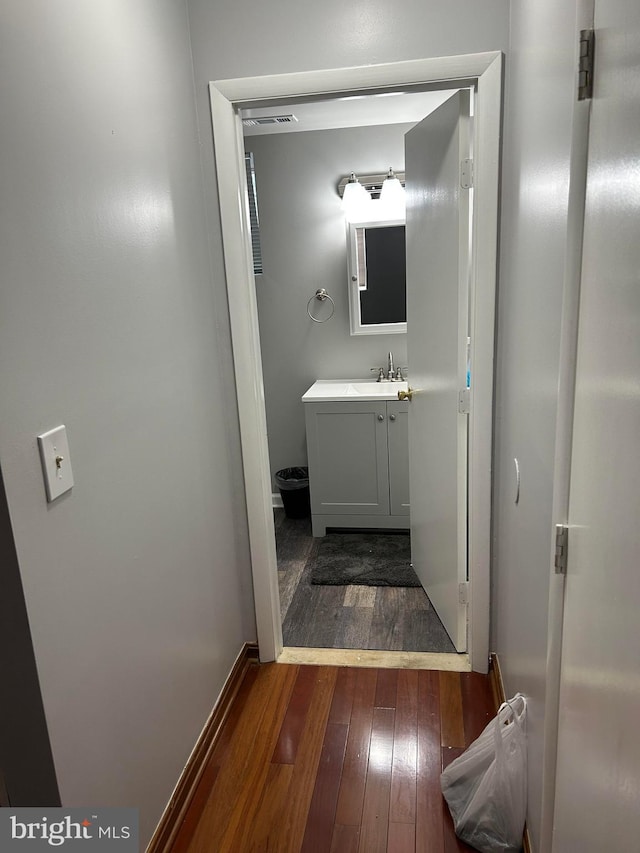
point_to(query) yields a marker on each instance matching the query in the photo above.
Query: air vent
(257, 122)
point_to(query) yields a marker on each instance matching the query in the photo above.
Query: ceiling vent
(257, 122)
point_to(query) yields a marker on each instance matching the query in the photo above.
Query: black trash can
(294, 488)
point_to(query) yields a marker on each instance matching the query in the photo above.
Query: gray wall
(137, 583)
(304, 247)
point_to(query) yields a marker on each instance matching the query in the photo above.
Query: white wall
(137, 583)
(540, 95)
(304, 247)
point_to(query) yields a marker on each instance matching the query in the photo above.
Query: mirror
(377, 277)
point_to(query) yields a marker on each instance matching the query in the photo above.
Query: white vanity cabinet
(358, 463)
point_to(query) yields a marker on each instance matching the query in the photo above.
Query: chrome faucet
(392, 374)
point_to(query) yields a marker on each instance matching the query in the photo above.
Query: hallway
(316, 758)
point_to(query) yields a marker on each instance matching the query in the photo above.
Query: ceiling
(351, 111)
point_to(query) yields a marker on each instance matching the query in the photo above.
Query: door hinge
(464, 398)
(587, 47)
(562, 546)
(466, 174)
(463, 592)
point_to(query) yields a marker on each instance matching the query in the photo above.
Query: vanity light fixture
(357, 193)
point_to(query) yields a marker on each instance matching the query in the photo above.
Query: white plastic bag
(486, 786)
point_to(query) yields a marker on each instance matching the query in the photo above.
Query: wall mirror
(377, 277)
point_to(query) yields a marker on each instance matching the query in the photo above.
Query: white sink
(334, 390)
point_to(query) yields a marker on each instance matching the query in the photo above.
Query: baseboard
(499, 696)
(276, 501)
(495, 678)
(177, 807)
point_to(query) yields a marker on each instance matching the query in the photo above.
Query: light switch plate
(56, 463)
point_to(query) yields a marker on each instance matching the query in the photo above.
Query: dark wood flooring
(348, 617)
(336, 760)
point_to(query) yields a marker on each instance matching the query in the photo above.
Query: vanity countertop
(335, 390)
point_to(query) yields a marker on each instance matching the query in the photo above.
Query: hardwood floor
(348, 617)
(336, 760)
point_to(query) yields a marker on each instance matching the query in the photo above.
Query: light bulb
(355, 199)
(393, 196)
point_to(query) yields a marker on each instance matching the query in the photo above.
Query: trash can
(294, 488)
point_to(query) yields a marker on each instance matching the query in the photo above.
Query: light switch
(56, 464)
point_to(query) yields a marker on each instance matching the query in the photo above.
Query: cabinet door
(398, 432)
(348, 464)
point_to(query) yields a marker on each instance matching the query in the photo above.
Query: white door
(437, 294)
(598, 760)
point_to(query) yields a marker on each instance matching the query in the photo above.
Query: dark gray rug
(366, 559)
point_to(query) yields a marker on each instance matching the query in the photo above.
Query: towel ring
(321, 294)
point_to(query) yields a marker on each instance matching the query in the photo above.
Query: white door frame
(227, 97)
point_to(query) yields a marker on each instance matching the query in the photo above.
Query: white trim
(226, 97)
(243, 313)
(440, 70)
(276, 501)
(484, 276)
(465, 327)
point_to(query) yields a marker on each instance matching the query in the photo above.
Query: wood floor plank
(415, 598)
(256, 834)
(288, 836)
(345, 839)
(387, 688)
(429, 822)
(214, 762)
(354, 771)
(343, 695)
(293, 547)
(387, 625)
(360, 596)
(405, 750)
(286, 748)
(323, 616)
(375, 812)
(352, 628)
(322, 811)
(402, 838)
(477, 704)
(424, 630)
(452, 722)
(247, 759)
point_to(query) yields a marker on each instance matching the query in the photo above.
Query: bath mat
(365, 559)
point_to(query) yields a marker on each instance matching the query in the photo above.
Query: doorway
(483, 71)
(352, 586)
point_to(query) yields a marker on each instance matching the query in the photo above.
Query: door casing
(482, 70)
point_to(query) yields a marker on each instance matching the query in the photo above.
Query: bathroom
(304, 248)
